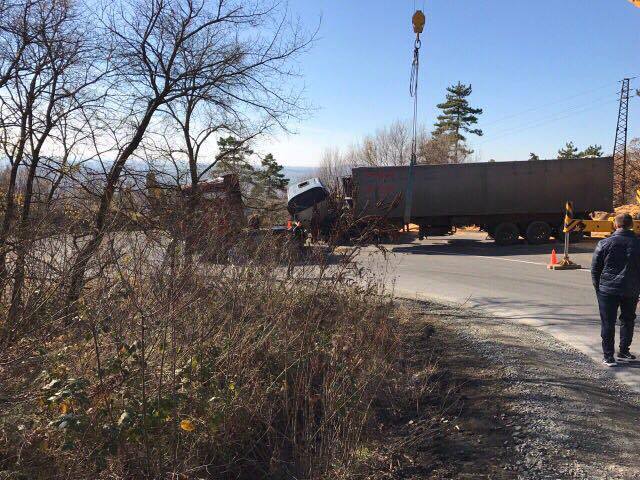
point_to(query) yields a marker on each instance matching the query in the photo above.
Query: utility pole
(620, 146)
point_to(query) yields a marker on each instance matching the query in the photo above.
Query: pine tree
(569, 151)
(457, 119)
(592, 151)
(271, 176)
(533, 157)
(233, 157)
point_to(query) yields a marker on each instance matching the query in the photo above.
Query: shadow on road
(547, 314)
(469, 246)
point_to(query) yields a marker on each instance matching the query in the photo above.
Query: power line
(549, 104)
(542, 122)
(553, 102)
(567, 113)
(571, 108)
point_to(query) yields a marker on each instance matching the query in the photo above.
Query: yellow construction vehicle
(594, 226)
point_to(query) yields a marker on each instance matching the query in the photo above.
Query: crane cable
(418, 21)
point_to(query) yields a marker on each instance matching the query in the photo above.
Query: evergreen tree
(533, 156)
(569, 151)
(271, 176)
(457, 119)
(233, 157)
(592, 151)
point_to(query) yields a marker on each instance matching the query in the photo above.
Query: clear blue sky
(550, 66)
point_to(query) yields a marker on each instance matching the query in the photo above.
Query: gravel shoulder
(520, 404)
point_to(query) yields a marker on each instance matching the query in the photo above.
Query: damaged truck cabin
(307, 200)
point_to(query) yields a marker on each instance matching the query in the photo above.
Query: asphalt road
(512, 282)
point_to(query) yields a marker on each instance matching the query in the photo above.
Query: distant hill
(298, 173)
(293, 173)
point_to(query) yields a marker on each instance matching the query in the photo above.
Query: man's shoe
(610, 361)
(626, 356)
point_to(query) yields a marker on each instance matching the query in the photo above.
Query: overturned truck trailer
(508, 200)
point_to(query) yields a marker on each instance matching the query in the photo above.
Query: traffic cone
(289, 224)
(554, 258)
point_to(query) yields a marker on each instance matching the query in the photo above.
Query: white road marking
(495, 258)
(521, 261)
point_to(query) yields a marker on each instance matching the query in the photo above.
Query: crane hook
(418, 21)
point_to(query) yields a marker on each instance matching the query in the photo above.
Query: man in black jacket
(615, 270)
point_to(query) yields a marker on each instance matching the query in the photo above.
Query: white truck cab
(306, 198)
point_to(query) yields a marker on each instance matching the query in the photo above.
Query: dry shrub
(172, 368)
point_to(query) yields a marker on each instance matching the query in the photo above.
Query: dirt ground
(515, 403)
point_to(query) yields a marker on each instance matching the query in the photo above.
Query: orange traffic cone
(554, 258)
(289, 224)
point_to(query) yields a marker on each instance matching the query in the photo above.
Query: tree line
(392, 145)
(571, 151)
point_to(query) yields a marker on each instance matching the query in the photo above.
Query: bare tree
(50, 83)
(333, 166)
(388, 146)
(633, 169)
(72, 133)
(186, 145)
(16, 32)
(15, 35)
(239, 53)
(435, 150)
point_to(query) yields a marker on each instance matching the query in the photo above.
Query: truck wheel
(506, 234)
(538, 233)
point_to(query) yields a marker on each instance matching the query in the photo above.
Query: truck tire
(506, 233)
(538, 233)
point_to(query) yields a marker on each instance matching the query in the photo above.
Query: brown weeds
(174, 369)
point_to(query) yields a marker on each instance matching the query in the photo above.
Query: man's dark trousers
(608, 305)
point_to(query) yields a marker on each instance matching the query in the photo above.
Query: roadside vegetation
(151, 324)
(214, 371)
(145, 330)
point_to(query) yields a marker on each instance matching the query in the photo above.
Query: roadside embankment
(516, 403)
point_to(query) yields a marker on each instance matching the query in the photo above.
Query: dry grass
(174, 369)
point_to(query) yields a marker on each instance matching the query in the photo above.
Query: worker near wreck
(615, 271)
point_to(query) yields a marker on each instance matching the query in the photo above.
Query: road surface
(512, 282)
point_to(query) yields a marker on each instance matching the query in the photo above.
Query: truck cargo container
(506, 199)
